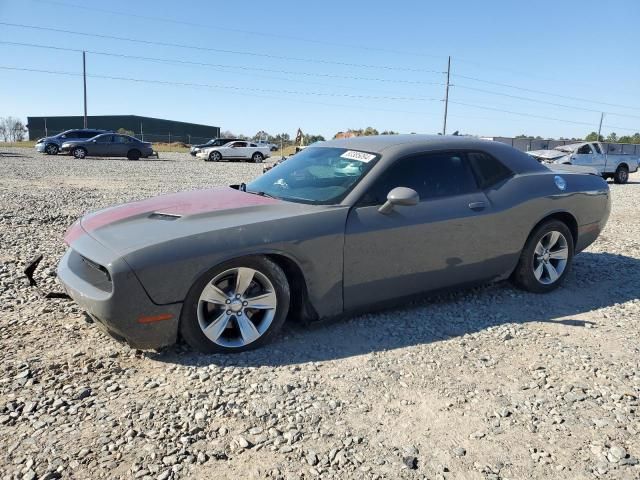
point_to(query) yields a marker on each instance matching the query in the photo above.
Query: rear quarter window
(488, 170)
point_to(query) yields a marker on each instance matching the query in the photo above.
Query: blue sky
(574, 48)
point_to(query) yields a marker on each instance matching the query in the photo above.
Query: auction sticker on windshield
(360, 156)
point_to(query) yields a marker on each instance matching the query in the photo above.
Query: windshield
(315, 175)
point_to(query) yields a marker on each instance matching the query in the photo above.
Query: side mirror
(400, 196)
(94, 141)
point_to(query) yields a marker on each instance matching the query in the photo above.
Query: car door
(121, 145)
(598, 158)
(583, 156)
(101, 145)
(435, 244)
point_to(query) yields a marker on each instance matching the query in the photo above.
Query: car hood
(136, 225)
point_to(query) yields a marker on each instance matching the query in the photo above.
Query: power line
(53, 72)
(544, 92)
(225, 87)
(533, 116)
(529, 99)
(219, 65)
(235, 30)
(244, 89)
(218, 50)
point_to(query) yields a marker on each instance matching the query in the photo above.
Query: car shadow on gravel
(597, 280)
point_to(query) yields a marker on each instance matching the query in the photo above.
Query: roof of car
(393, 146)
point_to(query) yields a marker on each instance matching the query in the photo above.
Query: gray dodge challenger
(341, 227)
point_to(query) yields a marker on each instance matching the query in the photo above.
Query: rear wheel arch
(565, 217)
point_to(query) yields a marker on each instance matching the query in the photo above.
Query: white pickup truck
(591, 154)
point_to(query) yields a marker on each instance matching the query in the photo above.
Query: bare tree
(12, 129)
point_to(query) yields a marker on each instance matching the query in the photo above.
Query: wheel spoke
(215, 328)
(244, 276)
(266, 301)
(213, 294)
(248, 330)
(538, 271)
(553, 239)
(552, 272)
(560, 254)
(539, 249)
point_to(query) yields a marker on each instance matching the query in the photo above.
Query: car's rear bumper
(113, 296)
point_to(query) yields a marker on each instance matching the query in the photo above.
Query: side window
(488, 170)
(584, 150)
(432, 175)
(105, 139)
(73, 134)
(597, 147)
(253, 145)
(87, 134)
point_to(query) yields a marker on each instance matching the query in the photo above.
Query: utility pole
(446, 97)
(600, 127)
(84, 79)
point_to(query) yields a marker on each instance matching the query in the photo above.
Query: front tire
(236, 306)
(51, 149)
(622, 175)
(215, 157)
(79, 153)
(545, 259)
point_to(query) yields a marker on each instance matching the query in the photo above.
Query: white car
(239, 150)
(271, 146)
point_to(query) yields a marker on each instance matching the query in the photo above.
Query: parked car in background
(109, 145)
(263, 143)
(591, 154)
(52, 145)
(214, 142)
(241, 150)
(345, 226)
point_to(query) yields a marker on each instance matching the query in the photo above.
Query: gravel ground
(487, 383)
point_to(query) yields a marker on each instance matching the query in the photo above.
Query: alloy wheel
(237, 307)
(550, 257)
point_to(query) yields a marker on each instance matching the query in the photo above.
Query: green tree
(612, 137)
(124, 131)
(593, 137)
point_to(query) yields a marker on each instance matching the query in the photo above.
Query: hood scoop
(164, 216)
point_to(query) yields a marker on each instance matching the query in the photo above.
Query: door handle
(477, 206)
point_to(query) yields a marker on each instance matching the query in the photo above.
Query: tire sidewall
(524, 274)
(52, 146)
(133, 155)
(621, 171)
(257, 157)
(189, 326)
(79, 157)
(215, 157)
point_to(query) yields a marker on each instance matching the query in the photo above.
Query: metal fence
(528, 144)
(154, 137)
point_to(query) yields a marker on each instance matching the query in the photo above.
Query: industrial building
(148, 129)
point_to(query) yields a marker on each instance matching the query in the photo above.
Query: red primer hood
(182, 204)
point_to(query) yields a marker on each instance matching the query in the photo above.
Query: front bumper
(203, 155)
(115, 297)
(40, 147)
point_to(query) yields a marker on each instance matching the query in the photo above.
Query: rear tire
(133, 155)
(51, 149)
(545, 259)
(217, 316)
(79, 153)
(622, 175)
(257, 157)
